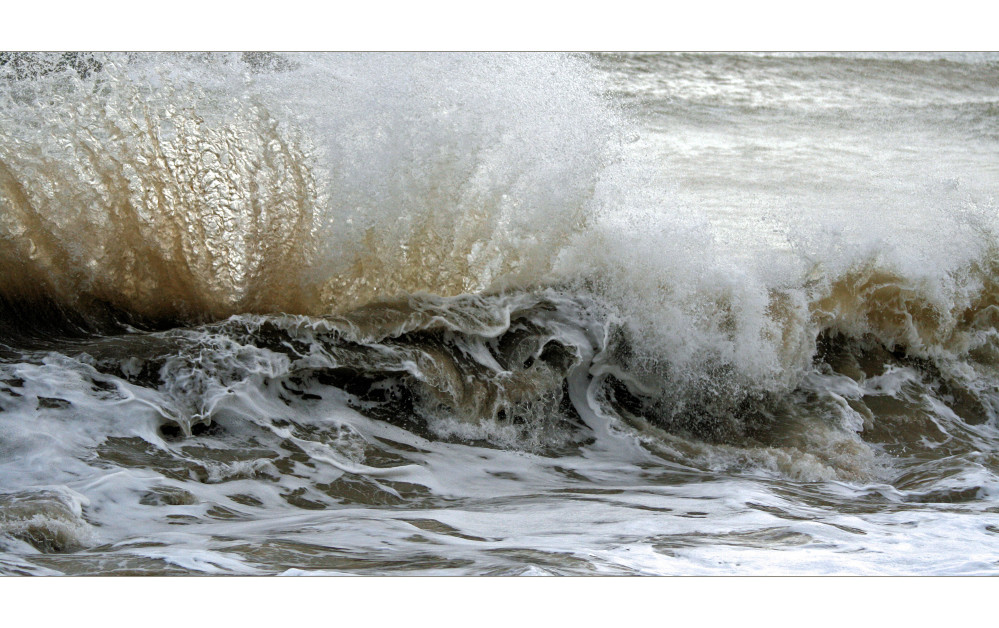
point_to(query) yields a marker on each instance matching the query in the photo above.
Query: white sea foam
(498, 314)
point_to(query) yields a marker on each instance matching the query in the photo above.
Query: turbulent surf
(499, 314)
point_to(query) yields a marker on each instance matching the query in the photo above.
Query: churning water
(499, 314)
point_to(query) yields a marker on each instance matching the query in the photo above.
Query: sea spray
(487, 313)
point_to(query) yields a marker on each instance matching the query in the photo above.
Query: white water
(650, 381)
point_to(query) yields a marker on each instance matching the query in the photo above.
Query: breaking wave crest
(189, 188)
(159, 190)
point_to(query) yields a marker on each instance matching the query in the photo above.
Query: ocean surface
(491, 314)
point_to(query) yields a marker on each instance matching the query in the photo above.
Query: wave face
(190, 188)
(518, 313)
